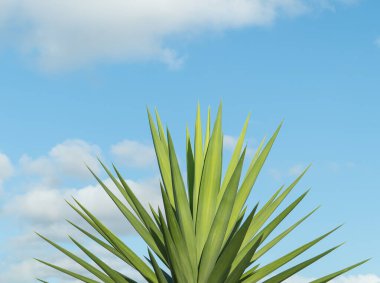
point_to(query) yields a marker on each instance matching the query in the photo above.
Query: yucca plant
(204, 232)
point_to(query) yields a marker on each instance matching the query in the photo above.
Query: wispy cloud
(336, 167)
(229, 143)
(6, 169)
(377, 42)
(293, 171)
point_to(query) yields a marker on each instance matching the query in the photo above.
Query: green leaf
(210, 183)
(181, 273)
(100, 242)
(80, 261)
(281, 236)
(270, 227)
(160, 275)
(227, 256)
(190, 166)
(238, 271)
(108, 270)
(242, 195)
(234, 160)
(215, 238)
(198, 162)
(162, 158)
(208, 130)
(134, 260)
(139, 227)
(145, 217)
(160, 129)
(183, 210)
(263, 215)
(180, 249)
(271, 267)
(70, 273)
(293, 270)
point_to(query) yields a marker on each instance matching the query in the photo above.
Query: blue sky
(75, 84)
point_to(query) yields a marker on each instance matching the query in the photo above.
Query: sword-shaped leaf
(263, 215)
(162, 158)
(180, 249)
(234, 160)
(227, 256)
(210, 183)
(113, 275)
(263, 234)
(198, 162)
(134, 221)
(183, 210)
(238, 271)
(215, 238)
(68, 272)
(118, 244)
(273, 266)
(160, 275)
(80, 261)
(190, 166)
(281, 236)
(242, 195)
(293, 270)
(181, 273)
(140, 209)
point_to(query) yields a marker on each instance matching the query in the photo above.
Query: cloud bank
(68, 34)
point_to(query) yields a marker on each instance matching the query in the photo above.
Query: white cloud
(293, 171)
(70, 34)
(366, 278)
(363, 278)
(67, 159)
(45, 207)
(6, 169)
(337, 167)
(377, 42)
(67, 34)
(134, 154)
(296, 170)
(298, 279)
(229, 142)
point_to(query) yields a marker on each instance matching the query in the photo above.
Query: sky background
(76, 78)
